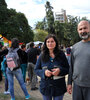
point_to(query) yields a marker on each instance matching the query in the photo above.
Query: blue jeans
(54, 98)
(18, 74)
(68, 58)
(6, 84)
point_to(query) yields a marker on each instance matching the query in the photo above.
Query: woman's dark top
(54, 86)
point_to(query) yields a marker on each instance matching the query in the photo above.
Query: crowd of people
(25, 61)
(51, 63)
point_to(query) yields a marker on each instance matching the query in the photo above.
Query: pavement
(34, 94)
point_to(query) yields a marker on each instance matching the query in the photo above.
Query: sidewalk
(35, 95)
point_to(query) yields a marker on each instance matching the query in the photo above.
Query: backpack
(12, 59)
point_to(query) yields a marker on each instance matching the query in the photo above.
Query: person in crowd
(1, 59)
(23, 61)
(52, 66)
(79, 72)
(32, 58)
(0, 71)
(3, 68)
(68, 53)
(2, 54)
(38, 47)
(16, 72)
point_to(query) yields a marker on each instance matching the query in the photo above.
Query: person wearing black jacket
(51, 67)
(2, 54)
(32, 58)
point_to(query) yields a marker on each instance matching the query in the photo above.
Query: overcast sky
(34, 10)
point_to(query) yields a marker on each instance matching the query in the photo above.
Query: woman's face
(50, 43)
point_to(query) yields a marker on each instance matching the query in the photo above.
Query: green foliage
(49, 18)
(39, 25)
(59, 31)
(42, 25)
(13, 24)
(3, 3)
(39, 35)
(71, 30)
(84, 18)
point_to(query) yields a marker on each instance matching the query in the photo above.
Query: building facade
(61, 16)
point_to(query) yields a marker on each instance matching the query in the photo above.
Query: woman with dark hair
(52, 66)
(16, 72)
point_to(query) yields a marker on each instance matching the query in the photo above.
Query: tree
(70, 32)
(21, 29)
(39, 25)
(3, 3)
(3, 13)
(59, 31)
(40, 35)
(3, 19)
(49, 18)
(13, 24)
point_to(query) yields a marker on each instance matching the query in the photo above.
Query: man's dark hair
(14, 43)
(31, 44)
(23, 46)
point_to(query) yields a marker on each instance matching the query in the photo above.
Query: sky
(34, 10)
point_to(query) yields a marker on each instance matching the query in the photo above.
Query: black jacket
(50, 86)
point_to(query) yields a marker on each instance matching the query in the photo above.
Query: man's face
(84, 30)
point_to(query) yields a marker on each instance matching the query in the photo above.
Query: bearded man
(79, 72)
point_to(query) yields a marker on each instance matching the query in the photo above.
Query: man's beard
(84, 35)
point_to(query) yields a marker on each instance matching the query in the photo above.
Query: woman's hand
(55, 71)
(48, 73)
